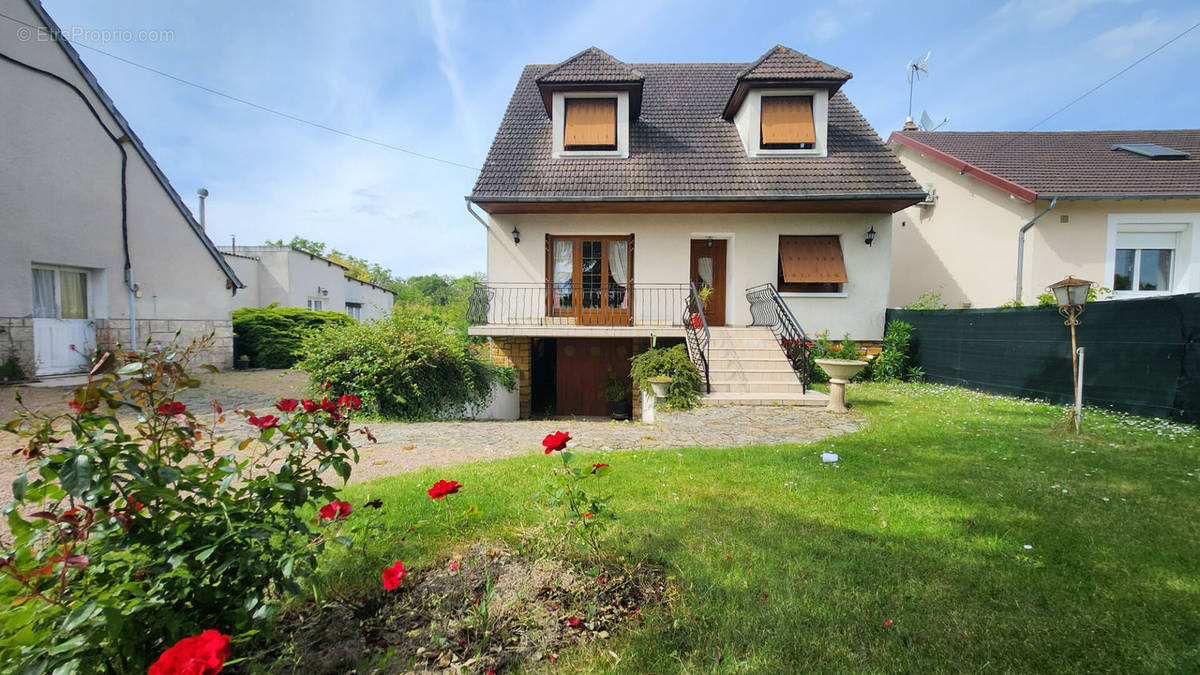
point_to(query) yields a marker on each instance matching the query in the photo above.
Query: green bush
(674, 363)
(131, 531)
(847, 350)
(271, 336)
(892, 363)
(403, 367)
(928, 300)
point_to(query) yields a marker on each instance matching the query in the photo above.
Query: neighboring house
(97, 245)
(290, 277)
(612, 188)
(1121, 208)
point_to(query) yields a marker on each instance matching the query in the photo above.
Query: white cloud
(448, 65)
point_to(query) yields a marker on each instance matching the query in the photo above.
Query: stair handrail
(768, 309)
(697, 337)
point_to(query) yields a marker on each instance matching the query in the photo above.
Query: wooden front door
(708, 269)
(590, 278)
(582, 371)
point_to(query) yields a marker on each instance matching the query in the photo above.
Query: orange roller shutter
(812, 260)
(590, 122)
(787, 120)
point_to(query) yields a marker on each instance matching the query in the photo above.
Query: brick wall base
(516, 353)
(16, 340)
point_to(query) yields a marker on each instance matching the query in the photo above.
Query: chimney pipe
(233, 247)
(203, 194)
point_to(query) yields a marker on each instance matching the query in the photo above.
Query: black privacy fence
(1141, 356)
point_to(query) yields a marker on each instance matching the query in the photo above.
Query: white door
(63, 332)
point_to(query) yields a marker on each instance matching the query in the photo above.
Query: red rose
(444, 487)
(587, 515)
(264, 422)
(287, 405)
(81, 407)
(202, 654)
(335, 510)
(393, 575)
(887, 623)
(310, 405)
(574, 622)
(556, 441)
(349, 401)
(597, 467)
(328, 406)
(171, 408)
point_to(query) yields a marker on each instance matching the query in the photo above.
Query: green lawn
(992, 540)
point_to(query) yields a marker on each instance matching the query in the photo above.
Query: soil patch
(486, 609)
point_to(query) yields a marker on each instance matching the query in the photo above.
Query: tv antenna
(913, 73)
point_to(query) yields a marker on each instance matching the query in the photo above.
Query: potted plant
(243, 363)
(617, 392)
(660, 384)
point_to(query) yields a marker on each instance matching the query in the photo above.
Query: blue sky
(435, 77)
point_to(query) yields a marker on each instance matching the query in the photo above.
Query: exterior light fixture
(870, 236)
(1071, 295)
(516, 235)
(322, 291)
(710, 242)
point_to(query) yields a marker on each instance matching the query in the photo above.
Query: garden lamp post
(1071, 295)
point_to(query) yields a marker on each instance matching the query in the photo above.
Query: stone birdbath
(660, 384)
(840, 371)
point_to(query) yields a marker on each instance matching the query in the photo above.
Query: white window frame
(748, 121)
(558, 109)
(89, 289)
(316, 304)
(1185, 264)
(354, 310)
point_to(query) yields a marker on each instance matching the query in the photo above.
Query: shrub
(892, 363)
(11, 370)
(272, 336)
(674, 363)
(132, 531)
(403, 367)
(928, 300)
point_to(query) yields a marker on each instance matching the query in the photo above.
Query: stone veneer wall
(162, 331)
(516, 353)
(16, 338)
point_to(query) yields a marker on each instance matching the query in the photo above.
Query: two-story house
(731, 205)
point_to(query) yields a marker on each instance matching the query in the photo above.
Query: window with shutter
(787, 122)
(590, 124)
(811, 265)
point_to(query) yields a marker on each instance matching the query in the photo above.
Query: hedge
(272, 336)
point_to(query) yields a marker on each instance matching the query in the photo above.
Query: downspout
(1021, 245)
(475, 215)
(120, 143)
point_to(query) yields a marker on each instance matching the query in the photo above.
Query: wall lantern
(322, 291)
(870, 236)
(516, 235)
(1071, 295)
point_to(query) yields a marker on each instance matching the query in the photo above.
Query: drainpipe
(1021, 244)
(476, 215)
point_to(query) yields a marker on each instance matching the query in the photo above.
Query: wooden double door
(708, 271)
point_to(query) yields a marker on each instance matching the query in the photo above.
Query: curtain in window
(43, 295)
(73, 294)
(618, 269)
(563, 255)
(704, 268)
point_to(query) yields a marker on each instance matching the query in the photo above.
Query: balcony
(573, 309)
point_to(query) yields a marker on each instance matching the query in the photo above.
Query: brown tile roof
(590, 65)
(1074, 163)
(681, 147)
(783, 63)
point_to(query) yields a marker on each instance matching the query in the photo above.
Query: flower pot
(622, 410)
(660, 385)
(697, 322)
(241, 364)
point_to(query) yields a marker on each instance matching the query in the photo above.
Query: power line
(252, 104)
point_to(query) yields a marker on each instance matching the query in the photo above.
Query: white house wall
(662, 255)
(60, 204)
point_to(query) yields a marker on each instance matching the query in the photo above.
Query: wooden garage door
(583, 365)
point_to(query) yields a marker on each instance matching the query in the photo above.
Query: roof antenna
(927, 122)
(913, 73)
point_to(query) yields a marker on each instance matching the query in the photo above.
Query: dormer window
(786, 123)
(590, 124)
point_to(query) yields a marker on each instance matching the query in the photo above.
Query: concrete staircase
(747, 367)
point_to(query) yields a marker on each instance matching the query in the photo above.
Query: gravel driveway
(409, 446)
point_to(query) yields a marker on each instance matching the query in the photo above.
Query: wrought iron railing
(769, 310)
(695, 331)
(577, 304)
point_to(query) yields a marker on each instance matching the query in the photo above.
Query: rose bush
(586, 513)
(136, 523)
(203, 654)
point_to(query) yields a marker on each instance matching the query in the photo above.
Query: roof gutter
(829, 196)
(1021, 245)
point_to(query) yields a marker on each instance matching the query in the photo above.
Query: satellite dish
(927, 122)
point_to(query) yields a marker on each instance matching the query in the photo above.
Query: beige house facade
(290, 277)
(1128, 219)
(97, 246)
(740, 209)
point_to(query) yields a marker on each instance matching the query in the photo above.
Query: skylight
(1151, 150)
